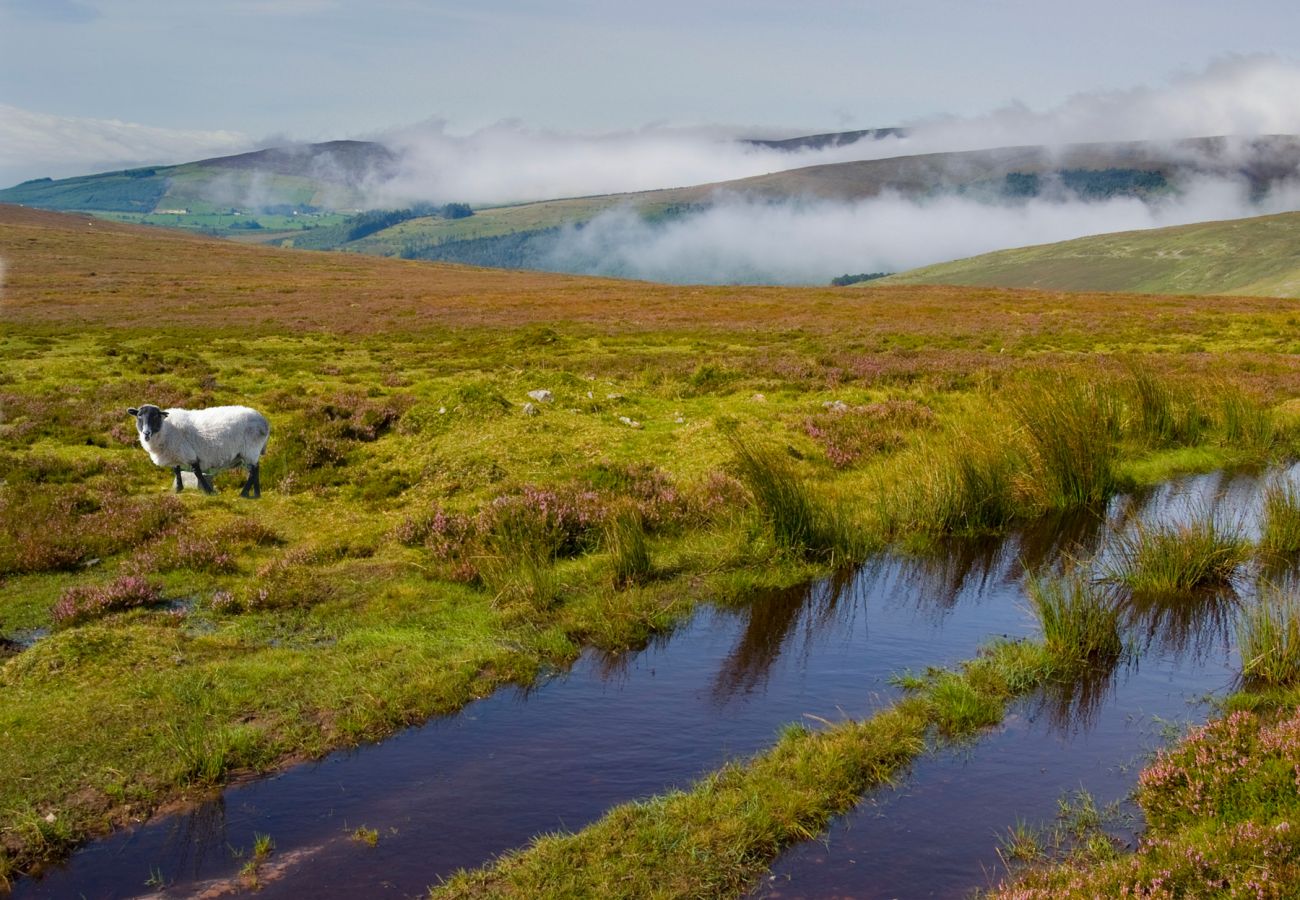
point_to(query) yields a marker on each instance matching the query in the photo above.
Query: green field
(1258, 256)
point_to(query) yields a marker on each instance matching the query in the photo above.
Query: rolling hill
(1252, 257)
(314, 197)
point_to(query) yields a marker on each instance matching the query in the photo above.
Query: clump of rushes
(1280, 536)
(625, 537)
(1162, 414)
(962, 485)
(1158, 561)
(801, 522)
(518, 561)
(1268, 638)
(1080, 620)
(1245, 423)
(86, 602)
(1072, 431)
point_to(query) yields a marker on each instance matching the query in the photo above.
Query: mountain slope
(1254, 257)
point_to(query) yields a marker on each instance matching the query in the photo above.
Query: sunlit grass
(1268, 638)
(1079, 619)
(1168, 560)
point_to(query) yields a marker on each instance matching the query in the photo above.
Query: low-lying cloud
(744, 241)
(510, 162)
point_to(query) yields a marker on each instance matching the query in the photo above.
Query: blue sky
(87, 84)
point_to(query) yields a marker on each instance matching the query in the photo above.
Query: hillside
(315, 196)
(1253, 257)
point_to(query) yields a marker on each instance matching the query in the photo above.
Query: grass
(1268, 638)
(1072, 430)
(801, 522)
(625, 537)
(1166, 561)
(1080, 620)
(421, 541)
(1280, 531)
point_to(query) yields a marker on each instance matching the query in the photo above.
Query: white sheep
(205, 440)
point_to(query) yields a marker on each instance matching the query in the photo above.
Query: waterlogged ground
(459, 790)
(423, 540)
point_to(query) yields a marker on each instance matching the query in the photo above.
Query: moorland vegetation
(422, 539)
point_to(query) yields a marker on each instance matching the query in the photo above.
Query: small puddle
(459, 790)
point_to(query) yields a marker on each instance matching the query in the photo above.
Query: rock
(541, 395)
(442, 410)
(758, 398)
(838, 406)
(613, 396)
(50, 817)
(630, 423)
(530, 410)
(679, 420)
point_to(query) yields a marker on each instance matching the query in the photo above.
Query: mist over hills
(794, 224)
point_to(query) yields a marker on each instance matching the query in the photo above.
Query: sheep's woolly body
(219, 437)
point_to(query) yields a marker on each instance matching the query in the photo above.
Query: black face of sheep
(148, 419)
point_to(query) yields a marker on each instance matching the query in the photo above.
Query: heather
(422, 540)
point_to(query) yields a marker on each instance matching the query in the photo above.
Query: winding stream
(459, 790)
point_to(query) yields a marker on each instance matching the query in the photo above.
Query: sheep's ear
(133, 412)
(164, 413)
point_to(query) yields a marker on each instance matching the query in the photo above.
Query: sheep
(219, 437)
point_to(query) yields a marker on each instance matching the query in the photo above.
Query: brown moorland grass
(62, 269)
(346, 624)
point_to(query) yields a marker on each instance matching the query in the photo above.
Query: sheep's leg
(203, 479)
(180, 485)
(253, 482)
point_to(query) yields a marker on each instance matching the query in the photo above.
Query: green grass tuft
(801, 522)
(1161, 561)
(1280, 530)
(1268, 638)
(1080, 620)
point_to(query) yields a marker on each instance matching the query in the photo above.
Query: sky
(88, 85)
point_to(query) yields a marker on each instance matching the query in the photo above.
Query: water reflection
(771, 623)
(1196, 625)
(1071, 707)
(622, 726)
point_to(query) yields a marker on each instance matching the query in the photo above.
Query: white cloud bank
(510, 162)
(34, 145)
(745, 241)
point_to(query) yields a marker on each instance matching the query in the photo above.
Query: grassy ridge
(1257, 256)
(391, 571)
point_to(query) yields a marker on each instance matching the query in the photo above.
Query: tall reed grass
(1280, 530)
(1268, 638)
(1163, 413)
(801, 522)
(1175, 559)
(1071, 430)
(1079, 618)
(625, 538)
